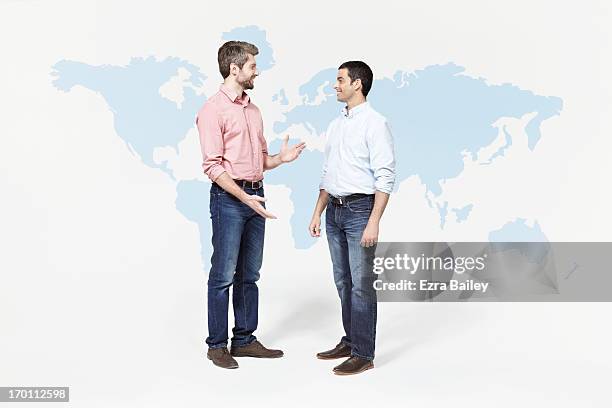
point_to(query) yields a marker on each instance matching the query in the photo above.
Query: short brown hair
(234, 52)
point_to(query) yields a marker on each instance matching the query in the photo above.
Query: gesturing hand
(289, 154)
(254, 201)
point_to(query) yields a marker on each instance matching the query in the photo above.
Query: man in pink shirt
(235, 156)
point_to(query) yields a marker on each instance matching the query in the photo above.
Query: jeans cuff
(216, 346)
(371, 358)
(243, 343)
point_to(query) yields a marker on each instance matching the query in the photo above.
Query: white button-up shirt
(359, 155)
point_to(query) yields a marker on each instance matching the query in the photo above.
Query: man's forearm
(321, 203)
(272, 162)
(380, 203)
(228, 184)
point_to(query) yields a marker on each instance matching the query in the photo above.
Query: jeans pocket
(217, 190)
(362, 205)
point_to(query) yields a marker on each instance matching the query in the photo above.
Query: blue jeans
(237, 239)
(353, 273)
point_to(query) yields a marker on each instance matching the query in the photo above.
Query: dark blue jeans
(238, 239)
(353, 273)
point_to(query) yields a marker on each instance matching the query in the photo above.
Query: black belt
(255, 185)
(347, 199)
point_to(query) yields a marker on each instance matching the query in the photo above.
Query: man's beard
(247, 84)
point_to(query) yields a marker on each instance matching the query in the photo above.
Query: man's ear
(357, 84)
(234, 69)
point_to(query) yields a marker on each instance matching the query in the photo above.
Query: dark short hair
(236, 52)
(359, 70)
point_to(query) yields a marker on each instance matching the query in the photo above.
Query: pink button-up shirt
(231, 136)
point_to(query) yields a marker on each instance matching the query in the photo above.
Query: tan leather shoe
(221, 358)
(341, 350)
(255, 349)
(353, 365)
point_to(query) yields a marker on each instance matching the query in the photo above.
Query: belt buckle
(255, 185)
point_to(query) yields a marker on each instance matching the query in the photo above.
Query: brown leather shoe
(255, 349)
(353, 365)
(221, 358)
(341, 350)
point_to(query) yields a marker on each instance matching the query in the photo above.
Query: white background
(102, 283)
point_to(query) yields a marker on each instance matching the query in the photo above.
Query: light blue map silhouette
(435, 114)
(517, 235)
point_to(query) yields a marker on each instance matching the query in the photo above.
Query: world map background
(438, 114)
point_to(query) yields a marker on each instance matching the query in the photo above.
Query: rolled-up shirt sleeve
(262, 139)
(382, 157)
(211, 141)
(322, 185)
(323, 173)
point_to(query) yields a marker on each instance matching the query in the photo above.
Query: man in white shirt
(358, 177)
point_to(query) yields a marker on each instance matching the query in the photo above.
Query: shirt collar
(349, 113)
(233, 96)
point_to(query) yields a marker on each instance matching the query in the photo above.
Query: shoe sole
(356, 372)
(248, 355)
(332, 358)
(227, 368)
